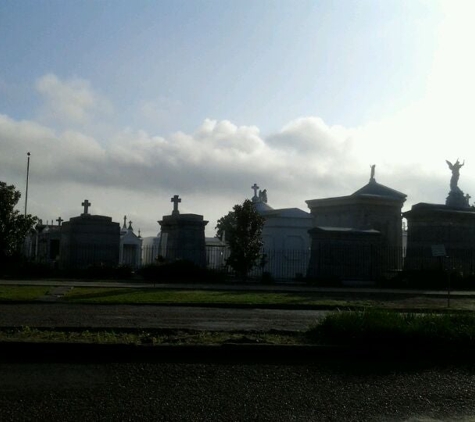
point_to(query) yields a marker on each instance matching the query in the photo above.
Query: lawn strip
(160, 296)
(22, 293)
(147, 337)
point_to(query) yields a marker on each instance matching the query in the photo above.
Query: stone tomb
(437, 224)
(130, 246)
(357, 237)
(285, 238)
(182, 236)
(451, 225)
(89, 240)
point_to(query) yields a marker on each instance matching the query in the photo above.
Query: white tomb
(285, 236)
(130, 246)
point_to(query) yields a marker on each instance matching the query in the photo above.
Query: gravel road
(235, 392)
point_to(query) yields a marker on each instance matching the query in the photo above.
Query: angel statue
(455, 173)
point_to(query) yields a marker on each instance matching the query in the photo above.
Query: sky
(128, 103)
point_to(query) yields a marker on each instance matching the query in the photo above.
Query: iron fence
(366, 262)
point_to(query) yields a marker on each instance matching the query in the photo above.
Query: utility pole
(27, 177)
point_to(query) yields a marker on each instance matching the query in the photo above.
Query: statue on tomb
(263, 196)
(373, 168)
(455, 174)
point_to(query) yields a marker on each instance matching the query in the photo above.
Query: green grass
(392, 328)
(160, 296)
(370, 327)
(148, 337)
(22, 293)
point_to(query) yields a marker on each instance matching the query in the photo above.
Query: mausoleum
(285, 236)
(130, 246)
(358, 236)
(446, 228)
(89, 240)
(182, 236)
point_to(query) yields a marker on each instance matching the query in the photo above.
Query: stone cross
(59, 220)
(86, 204)
(255, 188)
(176, 200)
(130, 225)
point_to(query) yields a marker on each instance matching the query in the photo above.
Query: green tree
(225, 226)
(13, 225)
(243, 233)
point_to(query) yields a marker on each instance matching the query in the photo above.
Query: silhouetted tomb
(359, 236)
(89, 240)
(182, 236)
(451, 225)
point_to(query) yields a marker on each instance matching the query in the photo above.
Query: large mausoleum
(89, 240)
(438, 231)
(358, 236)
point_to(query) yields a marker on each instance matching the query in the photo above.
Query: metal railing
(364, 262)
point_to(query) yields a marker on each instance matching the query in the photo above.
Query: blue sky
(251, 62)
(129, 103)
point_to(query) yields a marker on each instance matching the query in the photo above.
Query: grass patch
(371, 327)
(22, 293)
(146, 337)
(392, 328)
(160, 296)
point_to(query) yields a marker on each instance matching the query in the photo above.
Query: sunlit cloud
(69, 102)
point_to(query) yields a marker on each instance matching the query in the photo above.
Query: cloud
(213, 167)
(69, 102)
(161, 111)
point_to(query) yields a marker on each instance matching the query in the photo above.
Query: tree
(225, 226)
(13, 225)
(243, 232)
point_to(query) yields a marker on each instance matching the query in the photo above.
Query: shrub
(394, 329)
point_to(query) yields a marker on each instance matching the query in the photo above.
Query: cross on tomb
(59, 220)
(255, 188)
(130, 225)
(86, 204)
(176, 200)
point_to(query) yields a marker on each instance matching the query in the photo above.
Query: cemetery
(357, 238)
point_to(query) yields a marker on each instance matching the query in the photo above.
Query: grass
(22, 293)
(392, 328)
(160, 296)
(147, 337)
(118, 296)
(370, 327)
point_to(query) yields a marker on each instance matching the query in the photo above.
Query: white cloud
(161, 111)
(69, 102)
(134, 172)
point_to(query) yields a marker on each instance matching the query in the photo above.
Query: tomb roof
(288, 213)
(374, 188)
(262, 207)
